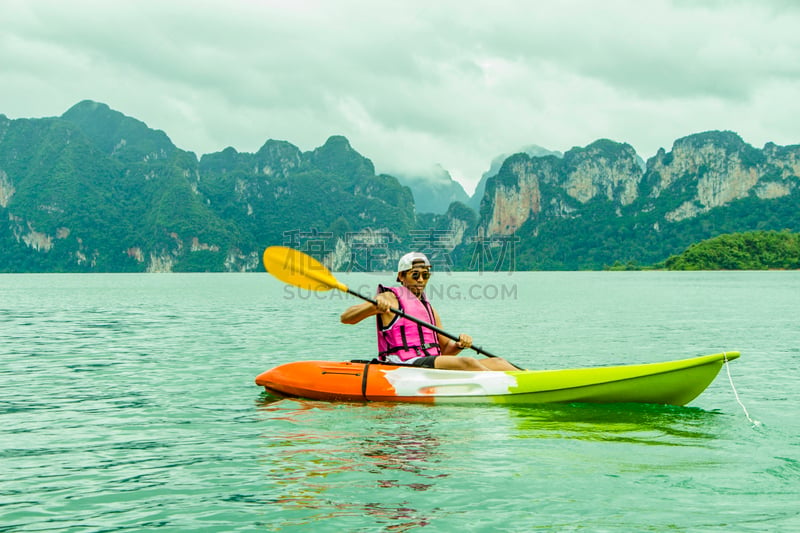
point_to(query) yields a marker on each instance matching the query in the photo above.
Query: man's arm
(356, 313)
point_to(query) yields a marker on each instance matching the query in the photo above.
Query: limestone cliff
(541, 188)
(716, 168)
(603, 169)
(600, 200)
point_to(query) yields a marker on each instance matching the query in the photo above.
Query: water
(127, 402)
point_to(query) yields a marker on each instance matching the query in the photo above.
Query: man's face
(416, 279)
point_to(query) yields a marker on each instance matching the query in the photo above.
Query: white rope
(736, 394)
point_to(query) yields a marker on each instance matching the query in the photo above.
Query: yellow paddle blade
(299, 269)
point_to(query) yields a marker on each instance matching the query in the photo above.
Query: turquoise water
(127, 403)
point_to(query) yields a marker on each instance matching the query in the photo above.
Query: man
(403, 341)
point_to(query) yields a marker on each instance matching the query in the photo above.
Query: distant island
(752, 250)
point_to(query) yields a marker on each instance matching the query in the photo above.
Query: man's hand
(383, 302)
(464, 341)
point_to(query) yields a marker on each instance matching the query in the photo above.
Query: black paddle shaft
(422, 323)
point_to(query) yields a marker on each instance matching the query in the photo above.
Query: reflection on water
(329, 462)
(659, 425)
(317, 452)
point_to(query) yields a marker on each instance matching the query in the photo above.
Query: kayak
(672, 382)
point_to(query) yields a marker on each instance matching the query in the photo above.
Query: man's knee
(470, 363)
(451, 362)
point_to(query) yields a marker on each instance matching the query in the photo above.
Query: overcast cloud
(412, 84)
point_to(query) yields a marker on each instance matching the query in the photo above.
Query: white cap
(407, 261)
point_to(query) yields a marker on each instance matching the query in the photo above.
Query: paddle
(303, 271)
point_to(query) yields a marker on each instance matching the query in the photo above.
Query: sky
(413, 84)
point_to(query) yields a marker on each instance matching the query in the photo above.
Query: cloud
(412, 84)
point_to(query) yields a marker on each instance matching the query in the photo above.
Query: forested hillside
(97, 191)
(755, 250)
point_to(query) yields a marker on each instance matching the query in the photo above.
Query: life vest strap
(417, 349)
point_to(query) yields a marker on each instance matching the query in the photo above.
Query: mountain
(97, 191)
(329, 200)
(94, 190)
(596, 206)
(532, 150)
(435, 192)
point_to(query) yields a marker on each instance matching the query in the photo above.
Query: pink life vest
(404, 338)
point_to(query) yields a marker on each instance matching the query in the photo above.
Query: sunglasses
(415, 274)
